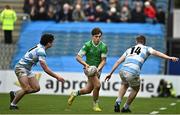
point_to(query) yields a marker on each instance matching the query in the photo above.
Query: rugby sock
(78, 93)
(97, 101)
(126, 106)
(12, 104)
(118, 100)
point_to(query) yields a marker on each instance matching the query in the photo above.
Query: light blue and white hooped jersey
(135, 58)
(32, 56)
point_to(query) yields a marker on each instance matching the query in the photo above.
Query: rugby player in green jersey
(96, 52)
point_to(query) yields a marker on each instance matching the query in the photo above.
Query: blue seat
(69, 38)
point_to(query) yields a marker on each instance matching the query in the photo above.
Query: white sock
(12, 104)
(77, 93)
(126, 106)
(97, 101)
(118, 100)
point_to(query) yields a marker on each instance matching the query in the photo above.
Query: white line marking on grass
(173, 104)
(162, 108)
(154, 112)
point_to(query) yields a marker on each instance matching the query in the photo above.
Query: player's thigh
(24, 82)
(22, 76)
(134, 81)
(34, 83)
(95, 81)
(123, 78)
(89, 87)
(130, 79)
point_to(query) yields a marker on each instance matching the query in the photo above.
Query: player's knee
(89, 91)
(36, 89)
(27, 89)
(136, 87)
(97, 86)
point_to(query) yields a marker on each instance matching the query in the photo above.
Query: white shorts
(21, 71)
(129, 78)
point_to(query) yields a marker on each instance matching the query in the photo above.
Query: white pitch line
(154, 112)
(173, 104)
(162, 108)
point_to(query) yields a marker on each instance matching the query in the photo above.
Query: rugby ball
(91, 71)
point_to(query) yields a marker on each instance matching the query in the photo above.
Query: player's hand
(86, 66)
(174, 59)
(108, 77)
(98, 70)
(59, 78)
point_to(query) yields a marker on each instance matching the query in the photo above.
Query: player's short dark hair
(96, 31)
(141, 39)
(46, 38)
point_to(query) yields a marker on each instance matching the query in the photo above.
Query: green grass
(56, 104)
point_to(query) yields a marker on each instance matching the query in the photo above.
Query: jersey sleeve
(126, 52)
(150, 50)
(104, 51)
(41, 54)
(82, 51)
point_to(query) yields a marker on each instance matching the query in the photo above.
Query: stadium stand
(17, 5)
(70, 39)
(96, 10)
(7, 50)
(71, 36)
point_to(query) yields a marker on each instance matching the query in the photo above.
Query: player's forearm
(81, 61)
(101, 65)
(47, 69)
(49, 72)
(159, 54)
(119, 61)
(114, 67)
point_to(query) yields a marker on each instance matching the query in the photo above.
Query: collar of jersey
(94, 43)
(41, 46)
(140, 44)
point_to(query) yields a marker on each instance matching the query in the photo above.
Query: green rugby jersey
(93, 52)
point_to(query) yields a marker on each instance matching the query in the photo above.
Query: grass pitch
(57, 104)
